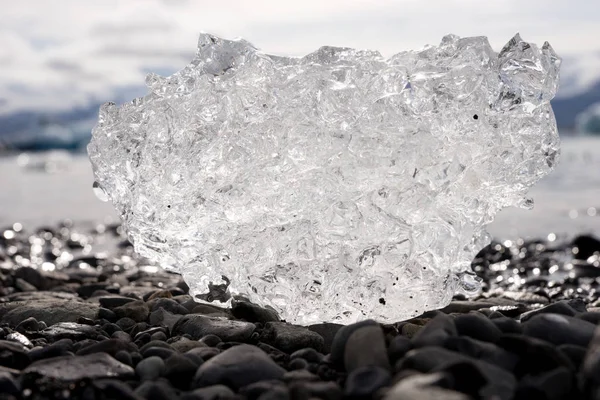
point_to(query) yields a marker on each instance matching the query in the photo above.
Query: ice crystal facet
(336, 186)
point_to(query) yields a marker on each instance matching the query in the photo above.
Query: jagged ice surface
(337, 186)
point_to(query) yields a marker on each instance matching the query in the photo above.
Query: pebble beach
(106, 324)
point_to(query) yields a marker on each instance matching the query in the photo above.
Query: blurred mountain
(39, 130)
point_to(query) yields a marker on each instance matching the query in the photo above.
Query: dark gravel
(83, 317)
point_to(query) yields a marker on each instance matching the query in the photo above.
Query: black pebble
(124, 357)
(28, 325)
(586, 246)
(8, 384)
(179, 370)
(358, 345)
(150, 368)
(125, 323)
(560, 307)
(575, 353)
(111, 346)
(484, 351)
(363, 382)
(156, 390)
(215, 392)
(435, 332)
(298, 363)
(560, 329)
(554, 385)
(158, 352)
(535, 356)
(253, 313)
(398, 347)
(477, 326)
(310, 355)
(105, 313)
(508, 325)
(211, 340)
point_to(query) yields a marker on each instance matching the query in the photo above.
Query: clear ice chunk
(337, 186)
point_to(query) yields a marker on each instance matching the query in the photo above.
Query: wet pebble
(136, 310)
(150, 368)
(560, 329)
(198, 326)
(364, 382)
(92, 366)
(237, 367)
(290, 338)
(358, 345)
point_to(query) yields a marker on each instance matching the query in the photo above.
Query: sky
(56, 55)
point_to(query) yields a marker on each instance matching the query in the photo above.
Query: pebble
(105, 313)
(591, 362)
(358, 345)
(423, 387)
(198, 326)
(251, 312)
(156, 390)
(69, 330)
(125, 323)
(237, 367)
(535, 356)
(586, 246)
(508, 325)
(49, 311)
(398, 347)
(180, 370)
(114, 301)
(327, 331)
(28, 325)
(166, 304)
(290, 338)
(211, 340)
(59, 348)
(32, 276)
(69, 369)
(309, 354)
(484, 351)
(477, 326)
(150, 368)
(563, 307)
(497, 383)
(257, 389)
(136, 310)
(575, 353)
(8, 384)
(110, 346)
(560, 329)
(555, 385)
(113, 389)
(19, 338)
(164, 318)
(13, 355)
(435, 332)
(161, 352)
(214, 392)
(364, 382)
(124, 357)
(322, 390)
(184, 345)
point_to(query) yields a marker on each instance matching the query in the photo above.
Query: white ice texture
(333, 187)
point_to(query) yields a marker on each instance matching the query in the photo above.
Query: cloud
(72, 52)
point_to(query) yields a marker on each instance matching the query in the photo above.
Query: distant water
(44, 188)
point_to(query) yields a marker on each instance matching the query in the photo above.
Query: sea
(45, 188)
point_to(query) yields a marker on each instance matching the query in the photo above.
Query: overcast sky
(63, 53)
